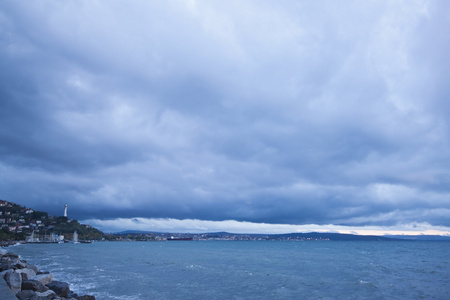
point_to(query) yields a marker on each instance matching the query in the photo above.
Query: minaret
(65, 210)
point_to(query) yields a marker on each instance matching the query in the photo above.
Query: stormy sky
(155, 114)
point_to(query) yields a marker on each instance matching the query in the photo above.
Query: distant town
(19, 223)
(22, 224)
(25, 225)
(219, 236)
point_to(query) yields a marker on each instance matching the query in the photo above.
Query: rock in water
(34, 268)
(27, 272)
(24, 282)
(5, 266)
(72, 295)
(26, 294)
(33, 285)
(43, 278)
(86, 297)
(32, 295)
(10, 254)
(14, 280)
(47, 295)
(60, 288)
(20, 265)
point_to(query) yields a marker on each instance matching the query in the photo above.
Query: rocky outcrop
(34, 285)
(43, 278)
(60, 288)
(86, 297)
(14, 280)
(26, 273)
(28, 283)
(32, 295)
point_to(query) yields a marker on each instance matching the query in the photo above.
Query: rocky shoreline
(26, 281)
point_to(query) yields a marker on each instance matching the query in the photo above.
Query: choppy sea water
(249, 270)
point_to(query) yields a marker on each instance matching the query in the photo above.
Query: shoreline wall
(21, 280)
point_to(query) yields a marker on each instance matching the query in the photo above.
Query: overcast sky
(243, 112)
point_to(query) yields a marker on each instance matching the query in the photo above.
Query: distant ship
(171, 238)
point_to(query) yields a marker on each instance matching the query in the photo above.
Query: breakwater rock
(25, 281)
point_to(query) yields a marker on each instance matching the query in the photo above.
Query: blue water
(249, 269)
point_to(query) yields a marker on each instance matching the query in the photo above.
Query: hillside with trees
(17, 223)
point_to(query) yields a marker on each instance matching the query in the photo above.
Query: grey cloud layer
(265, 112)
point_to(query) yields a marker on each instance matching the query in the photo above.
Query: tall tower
(65, 210)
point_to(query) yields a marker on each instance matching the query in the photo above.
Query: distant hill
(305, 236)
(133, 232)
(17, 222)
(310, 236)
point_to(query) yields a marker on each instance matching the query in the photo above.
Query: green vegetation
(18, 222)
(85, 232)
(6, 235)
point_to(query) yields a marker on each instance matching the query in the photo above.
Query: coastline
(224, 270)
(21, 280)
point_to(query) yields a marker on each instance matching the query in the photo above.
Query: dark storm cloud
(276, 113)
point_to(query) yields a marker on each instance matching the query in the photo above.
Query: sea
(248, 269)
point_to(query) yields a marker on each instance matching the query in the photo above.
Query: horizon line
(196, 226)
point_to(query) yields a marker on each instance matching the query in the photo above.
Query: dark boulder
(32, 295)
(47, 295)
(10, 254)
(5, 266)
(60, 288)
(20, 265)
(10, 260)
(86, 297)
(33, 285)
(24, 276)
(26, 295)
(72, 295)
(40, 273)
